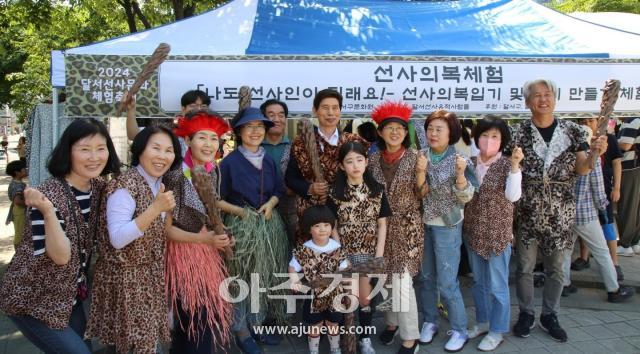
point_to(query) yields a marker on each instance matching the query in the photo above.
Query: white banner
(465, 87)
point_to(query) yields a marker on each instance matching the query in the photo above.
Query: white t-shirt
(331, 246)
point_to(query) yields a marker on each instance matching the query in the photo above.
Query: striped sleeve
(629, 131)
(38, 232)
(84, 200)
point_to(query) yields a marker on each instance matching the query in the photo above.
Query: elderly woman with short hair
(451, 183)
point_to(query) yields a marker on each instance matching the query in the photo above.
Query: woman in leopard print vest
(45, 284)
(129, 308)
(195, 266)
(451, 184)
(488, 229)
(402, 171)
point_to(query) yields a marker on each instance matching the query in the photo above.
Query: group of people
(173, 251)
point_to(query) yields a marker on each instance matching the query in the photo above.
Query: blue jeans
(491, 289)
(440, 267)
(67, 341)
(242, 316)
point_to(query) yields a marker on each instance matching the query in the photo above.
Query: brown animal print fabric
(129, 308)
(547, 209)
(357, 218)
(328, 161)
(314, 266)
(190, 213)
(35, 286)
(488, 222)
(405, 231)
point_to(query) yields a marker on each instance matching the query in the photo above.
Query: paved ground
(593, 325)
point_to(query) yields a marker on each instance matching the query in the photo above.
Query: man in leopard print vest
(299, 177)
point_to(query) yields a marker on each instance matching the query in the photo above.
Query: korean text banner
(96, 83)
(462, 84)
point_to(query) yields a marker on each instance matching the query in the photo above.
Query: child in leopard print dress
(316, 258)
(361, 208)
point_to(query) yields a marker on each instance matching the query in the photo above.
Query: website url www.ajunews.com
(304, 330)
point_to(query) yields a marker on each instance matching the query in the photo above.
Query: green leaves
(32, 28)
(631, 6)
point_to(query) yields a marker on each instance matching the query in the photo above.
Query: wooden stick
(203, 183)
(309, 138)
(610, 94)
(158, 57)
(244, 97)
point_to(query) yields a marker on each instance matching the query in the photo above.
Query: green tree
(567, 6)
(32, 28)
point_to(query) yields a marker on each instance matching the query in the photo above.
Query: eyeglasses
(434, 131)
(393, 129)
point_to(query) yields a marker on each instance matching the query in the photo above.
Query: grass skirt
(261, 248)
(194, 273)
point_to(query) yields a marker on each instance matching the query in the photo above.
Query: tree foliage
(630, 6)
(32, 28)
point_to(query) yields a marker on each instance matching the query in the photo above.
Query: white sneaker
(456, 341)
(478, 330)
(429, 330)
(635, 249)
(336, 351)
(366, 347)
(490, 342)
(624, 251)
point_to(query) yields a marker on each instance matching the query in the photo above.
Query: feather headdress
(201, 120)
(392, 111)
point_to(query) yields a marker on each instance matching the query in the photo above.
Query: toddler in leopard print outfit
(317, 258)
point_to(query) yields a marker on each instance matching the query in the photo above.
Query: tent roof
(223, 31)
(371, 27)
(375, 27)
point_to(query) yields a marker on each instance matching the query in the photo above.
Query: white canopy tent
(618, 20)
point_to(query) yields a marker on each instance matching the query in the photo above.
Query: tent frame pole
(54, 110)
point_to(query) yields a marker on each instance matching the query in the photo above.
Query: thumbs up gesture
(461, 165)
(164, 201)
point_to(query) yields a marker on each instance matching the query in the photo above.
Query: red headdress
(392, 111)
(201, 120)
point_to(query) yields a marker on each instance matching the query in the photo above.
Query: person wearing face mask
(129, 305)
(488, 228)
